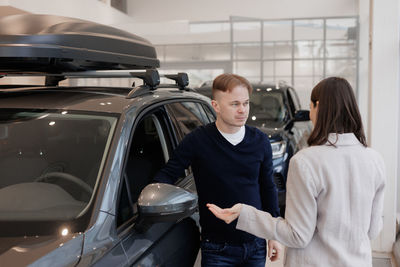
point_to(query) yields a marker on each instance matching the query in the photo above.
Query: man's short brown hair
(228, 81)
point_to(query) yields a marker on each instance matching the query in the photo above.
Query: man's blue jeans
(250, 254)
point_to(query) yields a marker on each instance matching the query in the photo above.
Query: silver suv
(77, 163)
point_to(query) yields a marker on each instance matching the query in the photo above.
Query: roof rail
(150, 77)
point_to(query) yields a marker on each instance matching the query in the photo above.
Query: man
(232, 163)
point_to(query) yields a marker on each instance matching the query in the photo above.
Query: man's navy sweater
(225, 175)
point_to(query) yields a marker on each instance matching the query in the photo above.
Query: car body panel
(102, 243)
(41, 250)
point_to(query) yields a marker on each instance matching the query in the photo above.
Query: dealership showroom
(283, 48)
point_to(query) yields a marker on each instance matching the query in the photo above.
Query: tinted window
(295, 98)
(147, 154)
(188, 115)
(267, 106)
(50, 162)
(209, 113)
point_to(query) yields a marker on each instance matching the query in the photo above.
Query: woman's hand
(227, 215)
(275, 250)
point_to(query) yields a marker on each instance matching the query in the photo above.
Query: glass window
(198, 110)
(267, 104)
(282, 50)
(210, 114)
(291, 104)
(146, 156)
(309, 29)
(214, 52)
(343, 68)
(341, 48)
(309, 49)
(344, 29)
(246, 51)
(50, 162)
(277, 30)
(283, 68)
(269, 70)
(308, 68)
(188, 116)
(248, 69)
(246, 31)
(295, 98)
(268, 50)
(182, 53)
(149, 148)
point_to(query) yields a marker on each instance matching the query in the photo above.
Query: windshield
(267, 105)
(50, 162)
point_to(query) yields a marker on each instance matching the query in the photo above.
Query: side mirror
(302, 115)
(164, 202)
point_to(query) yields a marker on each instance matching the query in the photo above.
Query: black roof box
(53, 44)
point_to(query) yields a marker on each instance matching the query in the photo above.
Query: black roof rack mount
(53, 44)
(181, 79)
(150, 78)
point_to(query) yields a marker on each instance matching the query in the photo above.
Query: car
(275, 110)
(77, 162)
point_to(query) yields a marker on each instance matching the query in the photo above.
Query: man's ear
(215, 106)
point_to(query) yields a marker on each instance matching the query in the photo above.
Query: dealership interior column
(383, 103)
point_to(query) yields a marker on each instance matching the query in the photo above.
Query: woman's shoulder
(376, 156)
(313, 153)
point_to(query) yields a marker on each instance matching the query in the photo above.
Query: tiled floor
(278, 263)
(377, 261)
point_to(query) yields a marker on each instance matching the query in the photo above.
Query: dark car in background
(276, 110)
(77, 162)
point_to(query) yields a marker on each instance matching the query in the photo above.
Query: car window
(149, 150)
(267, 106)
(210, 114)
(50, 162)
(188, 116)
(294, 98)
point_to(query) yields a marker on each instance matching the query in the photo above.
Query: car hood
(40, 250)
(271, 128)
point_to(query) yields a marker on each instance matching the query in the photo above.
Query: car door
(162, 243)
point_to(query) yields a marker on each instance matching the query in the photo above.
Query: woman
(335, 187)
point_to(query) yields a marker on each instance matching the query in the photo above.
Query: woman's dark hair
(337, 111)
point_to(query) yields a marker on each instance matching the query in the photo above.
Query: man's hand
(227, 215)
(275, 250)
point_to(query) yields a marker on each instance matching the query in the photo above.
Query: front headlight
(278, 149)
